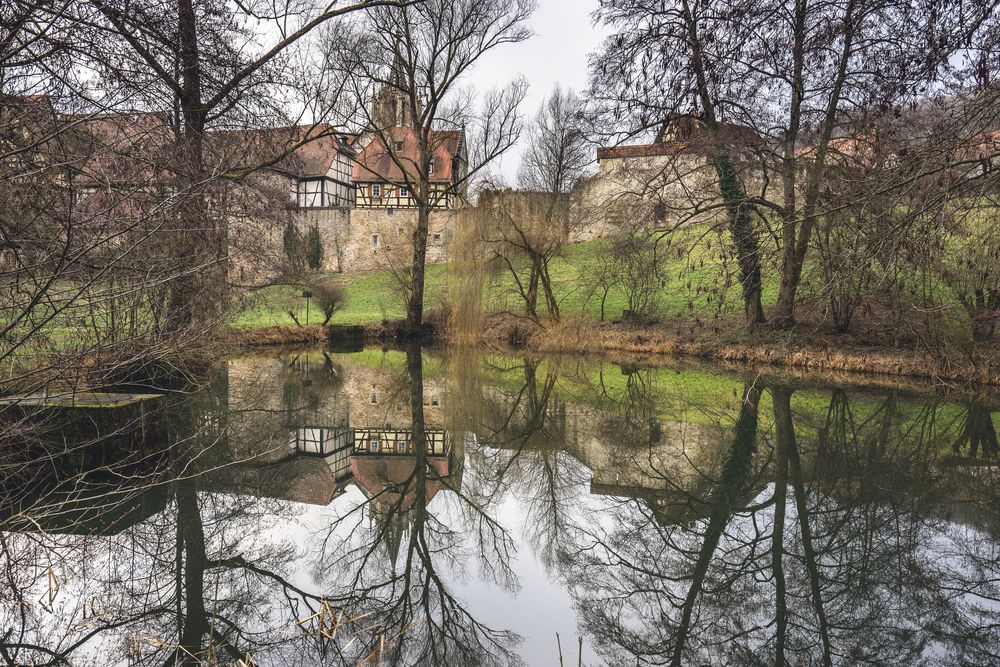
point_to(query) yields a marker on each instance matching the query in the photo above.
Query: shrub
(314, 249)
(329, 298)
(292, 241)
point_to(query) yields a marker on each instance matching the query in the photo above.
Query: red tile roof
(642, 150)
(137, 146)
(685, 133)
(299, 150)
(392, 478)
(118, 148)
(375, 162)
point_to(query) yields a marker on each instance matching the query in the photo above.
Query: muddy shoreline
(830, 356)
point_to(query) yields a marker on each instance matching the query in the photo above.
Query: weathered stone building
(671, 180)
(368, 223)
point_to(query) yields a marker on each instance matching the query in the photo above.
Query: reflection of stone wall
(663, 459)
(257, 423)
(261, 389)
(660, 458)
(379, 398)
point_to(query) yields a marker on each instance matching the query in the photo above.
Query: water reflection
(412, 508)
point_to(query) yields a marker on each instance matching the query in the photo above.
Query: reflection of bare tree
(525, 428)
(631, 417)
(641, 582)
(978, 432)
(145, 568)
(841, 563)
(394, 561)
(831, 530)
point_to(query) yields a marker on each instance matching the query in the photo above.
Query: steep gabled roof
(130, 147)
(375, 161)
(302, 151)
(392, 478)
(137, 147)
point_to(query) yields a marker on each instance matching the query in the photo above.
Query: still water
(422, 507)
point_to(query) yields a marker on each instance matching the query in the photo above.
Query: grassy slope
(372, 297)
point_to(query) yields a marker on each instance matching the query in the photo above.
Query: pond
(456, 508)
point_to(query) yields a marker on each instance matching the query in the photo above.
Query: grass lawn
(371, 297)
(692, 287)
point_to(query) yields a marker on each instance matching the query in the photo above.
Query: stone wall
(635, 193)
(257, 249)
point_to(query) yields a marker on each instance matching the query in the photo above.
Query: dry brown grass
(826, 354)
(280, 336)
(831, 356)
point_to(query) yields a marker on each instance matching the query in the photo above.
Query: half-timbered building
(385, 175)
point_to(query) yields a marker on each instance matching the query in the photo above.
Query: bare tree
(798, 76)
(556, 152)
(410, 61)
(523, 232)
(556, 156)
(207, 78)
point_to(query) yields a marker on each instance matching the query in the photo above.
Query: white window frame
(376, 190)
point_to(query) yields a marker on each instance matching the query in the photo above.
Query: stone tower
(390, 106)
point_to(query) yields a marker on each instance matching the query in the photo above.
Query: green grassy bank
(693, 284)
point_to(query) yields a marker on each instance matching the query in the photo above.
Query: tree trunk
(744, 239)
(733, 194)
(415, 308)
(784, 427)
(791, 273)
(190, 534)
(783, 423)
(550, 297)
(197, 245)
(725, 501)
(531, 298)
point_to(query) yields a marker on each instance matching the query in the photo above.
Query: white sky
(564, 38)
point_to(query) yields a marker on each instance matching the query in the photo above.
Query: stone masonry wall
(358, 240)
(643, 192)
(348, 240)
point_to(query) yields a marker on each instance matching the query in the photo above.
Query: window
(437, 237)
(404, 192)
(398, 145)
(430, 167)
(401, 447)
(376, 191)
(374, 244)
(373, 399)
(373, 445)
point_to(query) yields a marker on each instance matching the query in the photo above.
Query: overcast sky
(564, 38)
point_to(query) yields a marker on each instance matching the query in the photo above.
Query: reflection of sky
(539, 608)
